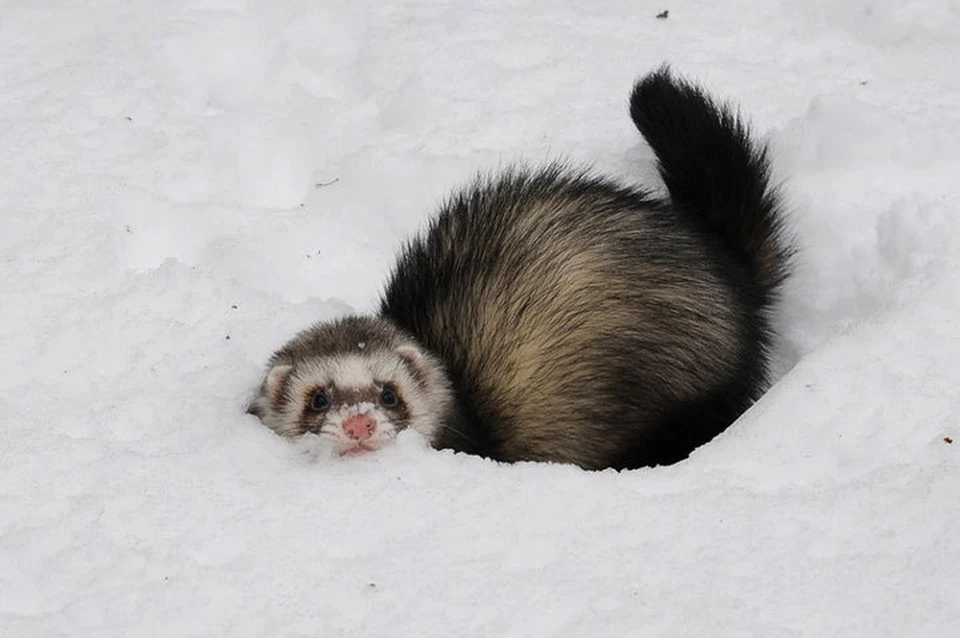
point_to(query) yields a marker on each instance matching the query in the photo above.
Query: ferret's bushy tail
(713, 170)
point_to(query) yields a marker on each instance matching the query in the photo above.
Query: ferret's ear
(416, 361)
(275, 385)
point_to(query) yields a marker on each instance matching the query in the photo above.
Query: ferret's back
(571, 313)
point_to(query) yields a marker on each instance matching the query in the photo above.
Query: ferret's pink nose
(359, 426)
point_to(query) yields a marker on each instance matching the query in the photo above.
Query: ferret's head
(357, 381)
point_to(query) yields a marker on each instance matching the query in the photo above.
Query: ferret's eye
(318, 401)
(388, 398)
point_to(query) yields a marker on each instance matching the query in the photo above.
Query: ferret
(554, 315)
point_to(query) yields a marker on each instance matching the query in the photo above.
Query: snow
(186, 184)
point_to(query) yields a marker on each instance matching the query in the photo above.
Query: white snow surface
(186, 184)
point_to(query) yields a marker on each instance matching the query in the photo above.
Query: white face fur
(357, 401)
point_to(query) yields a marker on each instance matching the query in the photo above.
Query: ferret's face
(358, 401)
